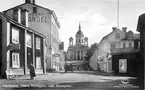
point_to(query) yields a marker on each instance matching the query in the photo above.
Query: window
(34, 9)
(29, 40)
(79, 40)
(82, 55)
(130, 45)
(82, 41)
(15, 60)
(75, 55)
(124, 45)
(38, 62)
(15, 36)
(37, 43)
(78, 55)
(138, 44)
(117, 35)
(112, 46)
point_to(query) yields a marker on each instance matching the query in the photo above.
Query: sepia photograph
(72, 44)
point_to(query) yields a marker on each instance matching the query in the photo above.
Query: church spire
(79, 26)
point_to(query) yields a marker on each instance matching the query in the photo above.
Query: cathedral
(77, 52)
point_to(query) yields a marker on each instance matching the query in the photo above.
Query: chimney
(17, 14)
(114, 28)
(124, 29)
(27, 1)
(33, 1)
(25, 17)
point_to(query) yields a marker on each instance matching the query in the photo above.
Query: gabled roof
(108, 35)
(20, 25)
(51, 11)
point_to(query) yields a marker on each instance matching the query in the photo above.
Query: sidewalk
(26, 77)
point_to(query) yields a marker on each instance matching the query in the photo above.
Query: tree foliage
(91, 51)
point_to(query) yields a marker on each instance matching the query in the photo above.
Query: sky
(97, 17)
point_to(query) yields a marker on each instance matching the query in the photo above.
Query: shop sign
(14, 46)
(37, 17)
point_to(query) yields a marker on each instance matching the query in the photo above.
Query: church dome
(70, 38)
(86, 38)
(79, 33)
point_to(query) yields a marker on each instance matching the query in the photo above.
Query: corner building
(44, 21)
(20, 45)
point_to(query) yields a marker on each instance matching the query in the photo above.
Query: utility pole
(118, 14)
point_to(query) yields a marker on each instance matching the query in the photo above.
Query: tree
(91, 51)
(89, 54)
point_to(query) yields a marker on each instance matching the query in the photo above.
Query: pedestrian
(32, 71)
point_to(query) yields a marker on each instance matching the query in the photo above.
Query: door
(29, 56)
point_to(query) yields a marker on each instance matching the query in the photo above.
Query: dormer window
(117, 35)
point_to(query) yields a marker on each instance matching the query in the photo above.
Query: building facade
(62, 56)
(141, 68)
(126, 55)
(20, 45)
(43, 20)
(102, 55)
(76, 52)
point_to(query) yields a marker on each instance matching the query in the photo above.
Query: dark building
(141, 29)
(124, 61)
(20, 45)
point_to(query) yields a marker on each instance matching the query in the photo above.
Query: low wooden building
(124, 61)
(20, 45)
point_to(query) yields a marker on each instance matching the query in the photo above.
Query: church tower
(79, 36)
(70, 41)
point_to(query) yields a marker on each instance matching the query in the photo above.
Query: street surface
(76, 80)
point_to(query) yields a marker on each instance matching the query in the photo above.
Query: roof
(86, 37)
(70, 38)
(141, 22)
(108, 35)
(124, 51)
(80, 33)
(21, 25)
(135, 37)
(51, 11)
